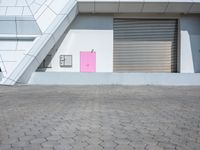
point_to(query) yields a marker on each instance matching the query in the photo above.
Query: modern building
(133, 42)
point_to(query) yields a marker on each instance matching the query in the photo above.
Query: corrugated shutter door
(145, 45)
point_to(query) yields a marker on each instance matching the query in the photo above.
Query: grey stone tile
(20, 144)
(53, 138)
(38, 141)
(99, 117)
(124, 147)
(63, 147)
(50, 144)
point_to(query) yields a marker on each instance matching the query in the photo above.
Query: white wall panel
(14, 11)
(21, 3)
(46, 19)
(8, 45)
(8, 2)
(30, 1)
(48, 2)
(40, 1)
(11, 56)
(57, 6)
(3, 11)
(24, 45)
(34, 7)
(7, 27)
(40, 11)
(9, 66)
(27, 28)
(26, 12)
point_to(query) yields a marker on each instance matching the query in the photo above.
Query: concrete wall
(190, 44)
(92, 31)
(165, 79)
(87, 32)
(11, 52)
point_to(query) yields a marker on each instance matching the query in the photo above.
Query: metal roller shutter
(145, 45)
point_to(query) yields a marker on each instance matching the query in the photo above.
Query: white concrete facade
(92, 31)
(88, 32)
(53, 17)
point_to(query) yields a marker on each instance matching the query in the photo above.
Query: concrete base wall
(95, 32)
(53, 78)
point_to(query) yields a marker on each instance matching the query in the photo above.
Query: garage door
(145, 45)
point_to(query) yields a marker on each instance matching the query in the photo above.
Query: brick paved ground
(99, 118)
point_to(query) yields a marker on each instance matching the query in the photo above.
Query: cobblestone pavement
(99, 118)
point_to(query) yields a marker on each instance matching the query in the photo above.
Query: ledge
(164, 79)
(139, 6)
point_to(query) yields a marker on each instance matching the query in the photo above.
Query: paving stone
(66, 141)
(81, 138)
(122, 141)
(20, 144)
(32, 133)
(68, 135)
(43, 135)
(5, 146)
(124, 147)
(53, 138)
(18, 148)
(50, 144)
(33, 147)
(94, 147)
(62, 147)
(99, 117)
(108, 144)
(167, 145)
(153, 147)
(109, 148)
(38, 141)
(79, 145)
(26, 138)
(94, 140)
(9, 140)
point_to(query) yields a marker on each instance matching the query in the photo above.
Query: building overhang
(139, 6)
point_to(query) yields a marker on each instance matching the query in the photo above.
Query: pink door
(88, 61)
